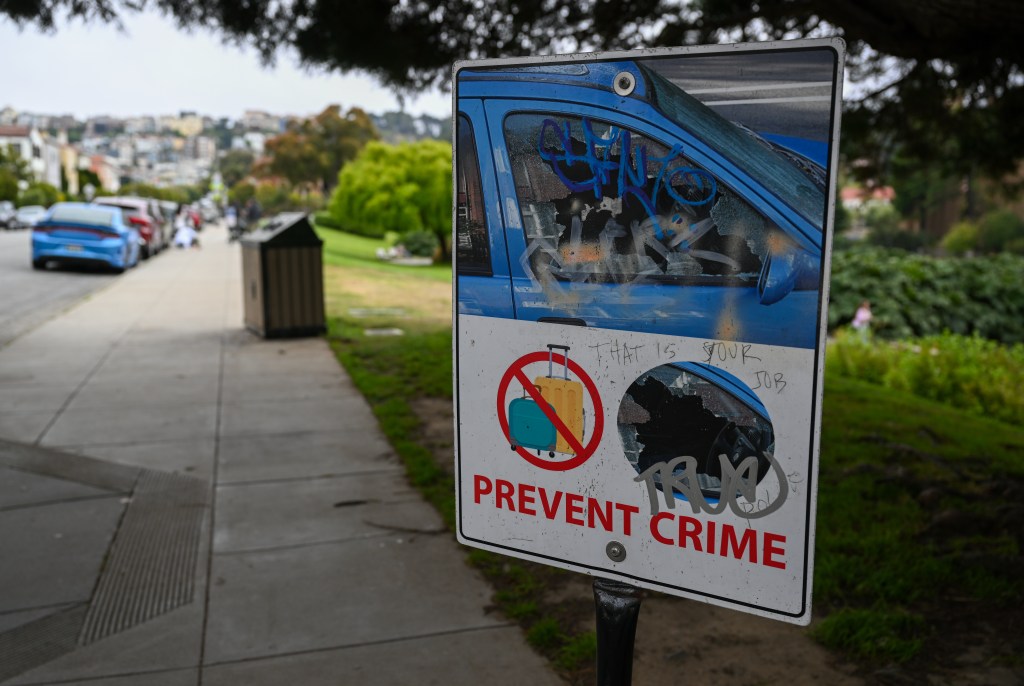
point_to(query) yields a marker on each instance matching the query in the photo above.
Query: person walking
(862, 321)
(253, 212)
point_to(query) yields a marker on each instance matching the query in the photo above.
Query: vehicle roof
(600, 75)
(83, 213)
(122, 200)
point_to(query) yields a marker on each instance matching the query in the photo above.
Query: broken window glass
(602, 203)
(669, 412)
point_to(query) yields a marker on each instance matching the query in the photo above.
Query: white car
(28, 216)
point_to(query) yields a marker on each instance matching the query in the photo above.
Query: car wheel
(39, 264)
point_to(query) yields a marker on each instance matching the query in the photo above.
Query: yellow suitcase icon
(566, 396)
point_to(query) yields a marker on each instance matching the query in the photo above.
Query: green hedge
(916, 295)
(970, 373)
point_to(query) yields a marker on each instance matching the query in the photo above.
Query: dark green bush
(998, 229)
(326, 220)
(420, 243)
(916, 295)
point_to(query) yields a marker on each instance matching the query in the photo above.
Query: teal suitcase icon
(529, 427)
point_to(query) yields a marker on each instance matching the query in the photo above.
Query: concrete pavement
(184, 503)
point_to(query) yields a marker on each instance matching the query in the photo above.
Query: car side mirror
(780, 274)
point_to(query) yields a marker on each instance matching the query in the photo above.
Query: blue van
(603, 195)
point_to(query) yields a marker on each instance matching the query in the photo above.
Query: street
(28, 297)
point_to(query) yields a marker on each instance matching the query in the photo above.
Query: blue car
(83, 234)
(603, 195)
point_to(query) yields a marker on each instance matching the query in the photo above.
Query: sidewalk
(184, 503)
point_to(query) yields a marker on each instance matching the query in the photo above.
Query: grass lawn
(920, 526)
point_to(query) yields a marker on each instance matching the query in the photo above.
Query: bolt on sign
(642, 245)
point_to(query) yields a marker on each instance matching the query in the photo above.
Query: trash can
(282, 278)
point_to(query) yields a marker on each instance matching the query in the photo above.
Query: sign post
(641, 256)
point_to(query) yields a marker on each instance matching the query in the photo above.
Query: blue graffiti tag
(626, 176)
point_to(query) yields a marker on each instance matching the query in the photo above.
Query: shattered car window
(601, 203)
(669, 412)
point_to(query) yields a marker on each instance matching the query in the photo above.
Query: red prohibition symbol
(581, 453)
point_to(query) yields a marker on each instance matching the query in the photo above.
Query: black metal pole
(618, 606)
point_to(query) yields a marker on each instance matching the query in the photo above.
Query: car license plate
(74, 248)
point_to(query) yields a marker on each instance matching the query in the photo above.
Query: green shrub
(916, 295)
(967, 372)
(39, 193)
(401, 188)
(420, 243)
(326, 220)
(960, 239)
(999, 228)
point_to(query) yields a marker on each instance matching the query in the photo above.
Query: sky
(154, 68)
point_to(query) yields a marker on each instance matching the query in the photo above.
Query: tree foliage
(403, 188)
(312, 151)
(39, 193)
(12, 170)
(943, 78)
(234, 166)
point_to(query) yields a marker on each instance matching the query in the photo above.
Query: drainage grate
(38, 642)
(150, 568)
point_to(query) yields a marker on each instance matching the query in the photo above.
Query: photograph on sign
(641, 257)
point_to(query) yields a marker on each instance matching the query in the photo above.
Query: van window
(602, 203)
(472, 243)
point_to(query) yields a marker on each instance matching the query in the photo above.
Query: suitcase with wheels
(529, 427)
(565, 396)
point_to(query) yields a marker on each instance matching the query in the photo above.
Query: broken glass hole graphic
(692, 409)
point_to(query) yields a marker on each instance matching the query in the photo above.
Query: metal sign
(642, 245)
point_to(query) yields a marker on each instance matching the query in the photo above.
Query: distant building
(855, 198)
(256, 120)
(69, 163)
(17, 137)
(41, 152)
(108, 171)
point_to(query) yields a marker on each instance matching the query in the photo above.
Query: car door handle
(570, 321)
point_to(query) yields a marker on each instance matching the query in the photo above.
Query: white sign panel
(641, 249)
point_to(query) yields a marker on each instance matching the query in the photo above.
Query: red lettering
(505, 490)
(481, 486)
(655, 521)
(770, 551)
(627, 512)
(749, 539)
(709, 536)
(526, 501)
(603, 512)
(573, 505)
(550, 508)
(690, 528)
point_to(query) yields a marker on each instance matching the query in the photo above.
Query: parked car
(27, 216)
(80, 233)
(6, 213)
(603, 195)
(143, 213)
